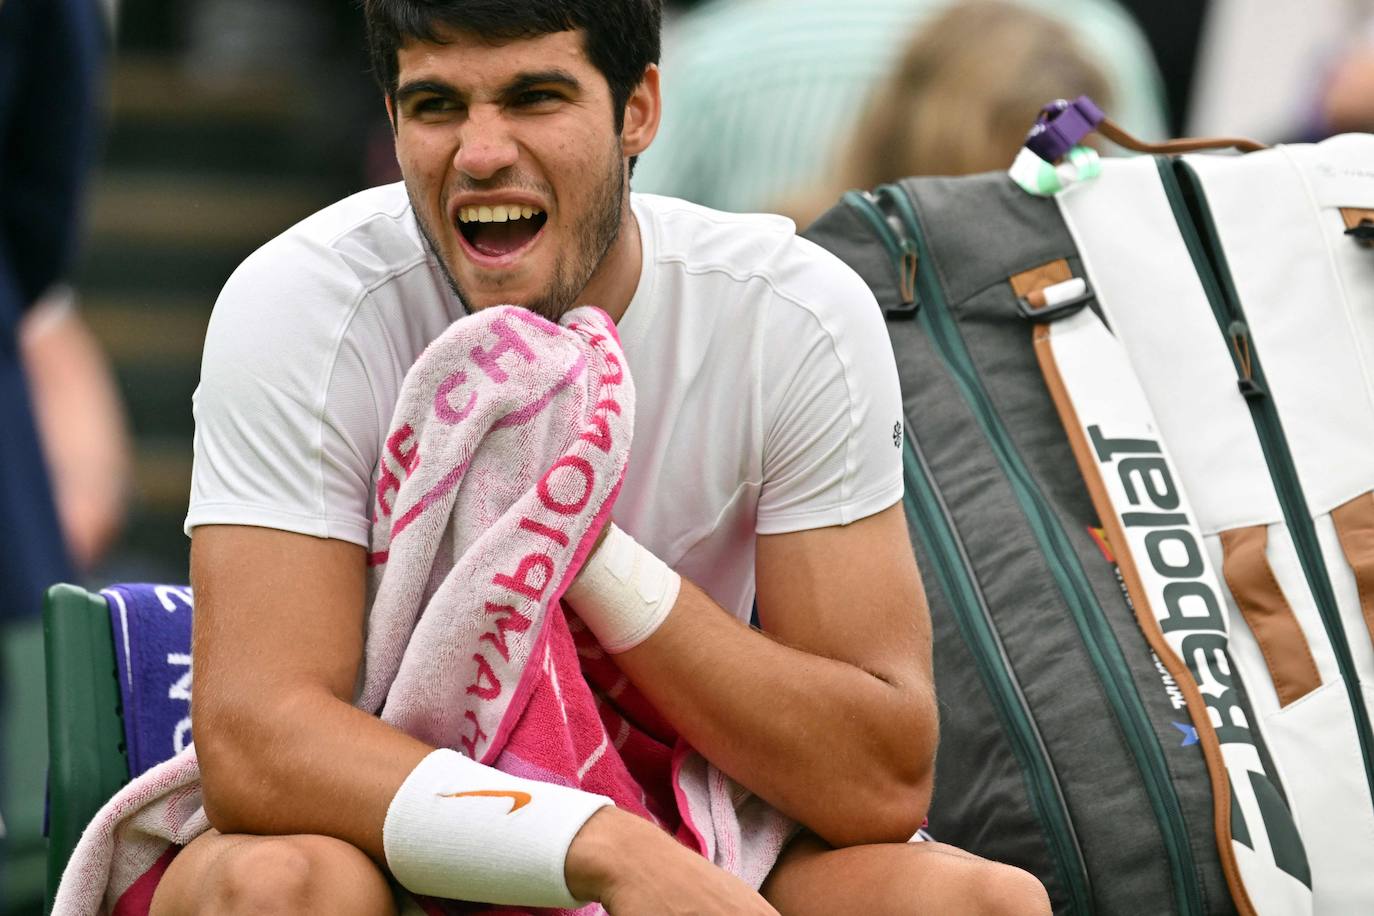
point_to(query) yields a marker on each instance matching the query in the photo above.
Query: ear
(390, 110)
(643, 110)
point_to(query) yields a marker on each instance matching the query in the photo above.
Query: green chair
(24, 772)
(87, 760)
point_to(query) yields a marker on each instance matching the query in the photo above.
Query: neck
(616, 278)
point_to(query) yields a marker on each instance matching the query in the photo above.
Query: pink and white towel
(506, 451)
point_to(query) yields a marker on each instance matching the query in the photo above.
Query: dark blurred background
(229, 121)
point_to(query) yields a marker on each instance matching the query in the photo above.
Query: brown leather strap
(1186, 145)
(1031, 284)
(1355, 527)
(1149, 626)
(1270, 616)
(1353, 216)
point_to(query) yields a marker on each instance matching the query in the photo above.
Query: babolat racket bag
(1140, 485)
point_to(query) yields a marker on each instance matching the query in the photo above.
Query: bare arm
(833, 718)
(278, 641)
(81, 422)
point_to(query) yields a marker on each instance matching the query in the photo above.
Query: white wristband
(464, 831)
(623, 593)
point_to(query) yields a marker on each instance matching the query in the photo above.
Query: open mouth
(501, 230)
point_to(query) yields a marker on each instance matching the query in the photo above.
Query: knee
(300, 875)
(1004, 890)
(264, 876)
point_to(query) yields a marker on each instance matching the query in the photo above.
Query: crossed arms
(831, 717)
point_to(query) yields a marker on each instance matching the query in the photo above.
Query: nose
(486, 145)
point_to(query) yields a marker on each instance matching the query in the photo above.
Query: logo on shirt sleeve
(897, 434)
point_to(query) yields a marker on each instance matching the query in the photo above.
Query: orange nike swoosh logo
(518, 799)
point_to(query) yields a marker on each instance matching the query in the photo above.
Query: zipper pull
(891, 233)
(906, 276)
(1243, 352)
(906, 265)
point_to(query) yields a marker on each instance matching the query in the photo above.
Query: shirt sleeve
(286, 423)
(832, 404)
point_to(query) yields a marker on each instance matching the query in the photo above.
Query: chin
(477, 305)
(480, 301)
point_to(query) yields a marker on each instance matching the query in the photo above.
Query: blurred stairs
(195, 178)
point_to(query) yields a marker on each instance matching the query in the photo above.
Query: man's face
(513, 165)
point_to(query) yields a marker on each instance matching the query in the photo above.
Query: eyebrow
(522, 83)
(527, 81)
(418, 87)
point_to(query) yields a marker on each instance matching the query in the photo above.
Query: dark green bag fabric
(1062, 750)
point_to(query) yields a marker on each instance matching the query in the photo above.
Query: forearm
(277, 646)
(277, 641)
(84, 433)
(847, 752)
(307, 764)
(333, 770)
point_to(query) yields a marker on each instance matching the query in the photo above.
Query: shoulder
(755, 253)
(745, 246)
(361, 240)
(308, 284)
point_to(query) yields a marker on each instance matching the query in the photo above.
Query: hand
(635, 869)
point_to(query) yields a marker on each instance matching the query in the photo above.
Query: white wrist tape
(464, 831)
(623, 593)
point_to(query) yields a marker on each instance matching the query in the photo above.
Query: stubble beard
(592, 237)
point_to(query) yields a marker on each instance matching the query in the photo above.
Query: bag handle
(1062, 125)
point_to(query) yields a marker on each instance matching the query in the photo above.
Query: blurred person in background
(944, 111)
(52, 55)
(51, 61)
(1347, 101)
(761, 95)
(1284, 71)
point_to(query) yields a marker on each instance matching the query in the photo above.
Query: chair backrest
(87, 758)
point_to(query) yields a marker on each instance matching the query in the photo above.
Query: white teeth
(494, 214)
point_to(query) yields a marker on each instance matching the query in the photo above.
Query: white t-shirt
(767, 398)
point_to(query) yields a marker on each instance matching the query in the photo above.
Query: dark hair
(622, 36)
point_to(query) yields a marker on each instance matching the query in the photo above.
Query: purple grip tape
(1061, 126)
